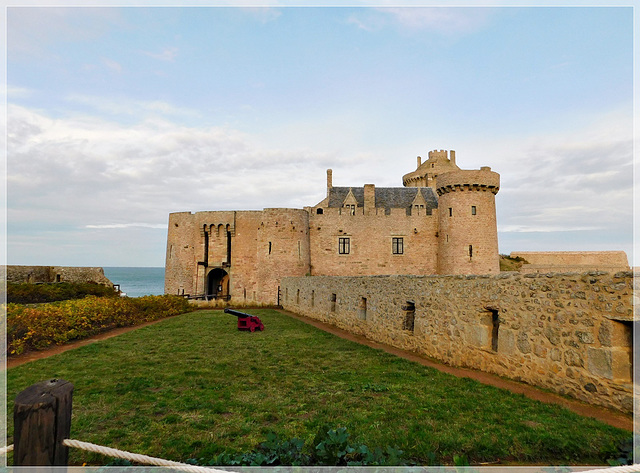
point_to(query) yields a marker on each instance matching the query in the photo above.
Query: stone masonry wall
(370, 238)
(264, 246)
(46, 274)
(569, 332)
(564, 261)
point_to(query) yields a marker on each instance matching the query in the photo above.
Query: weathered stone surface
(591, 387)
(599, 362)
(540, 351)
(573, 358)
(523, 343)
(584, 337)
(552, 335)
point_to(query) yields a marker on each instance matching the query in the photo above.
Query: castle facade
(442, 221)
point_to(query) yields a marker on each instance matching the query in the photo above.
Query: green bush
(35, 328)
(28, 293)
(330, 447)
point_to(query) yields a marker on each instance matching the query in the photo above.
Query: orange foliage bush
(35, 328)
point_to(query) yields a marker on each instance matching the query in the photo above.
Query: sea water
(136, 282)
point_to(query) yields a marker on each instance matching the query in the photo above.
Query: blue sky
(117, 116)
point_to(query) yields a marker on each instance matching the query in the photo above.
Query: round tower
(468, 233)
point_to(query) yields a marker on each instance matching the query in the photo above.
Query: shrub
(330, 447)
(35, 328)
(28, 293)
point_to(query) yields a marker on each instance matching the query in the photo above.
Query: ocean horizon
(137, 281)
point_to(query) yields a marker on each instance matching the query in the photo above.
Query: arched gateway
(218, 284)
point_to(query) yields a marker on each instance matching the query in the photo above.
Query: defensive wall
(48, 274)
(576, 261)
(571, 333)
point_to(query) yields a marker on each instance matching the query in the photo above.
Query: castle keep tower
(467, 235)
(426, 174)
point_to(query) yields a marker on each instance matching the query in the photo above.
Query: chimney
(419, 161)
(369, 199)
(329, 180)
(452, 155)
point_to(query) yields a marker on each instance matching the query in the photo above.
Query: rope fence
(134, 457)
(147, 460)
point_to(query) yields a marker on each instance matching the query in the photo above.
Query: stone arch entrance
(218, 284)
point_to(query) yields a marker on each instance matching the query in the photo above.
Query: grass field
(194, 387)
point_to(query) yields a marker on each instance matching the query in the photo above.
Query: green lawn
(193, 387)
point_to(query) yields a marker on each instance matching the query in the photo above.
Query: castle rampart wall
(562, 261)
(371, 249)
(570, 333)
(46, 274)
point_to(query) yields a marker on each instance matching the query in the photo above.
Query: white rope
(134, 457)
(7, 449)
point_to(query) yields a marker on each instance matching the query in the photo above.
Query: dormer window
(351, 208)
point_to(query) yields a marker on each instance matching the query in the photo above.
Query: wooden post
(42, 420)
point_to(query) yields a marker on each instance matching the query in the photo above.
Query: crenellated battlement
(441, 154)
(469, 180)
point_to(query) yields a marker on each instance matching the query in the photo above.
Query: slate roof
(386, 197)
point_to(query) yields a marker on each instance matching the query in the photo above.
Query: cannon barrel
(237, 313)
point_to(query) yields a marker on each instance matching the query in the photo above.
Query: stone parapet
(567, 332)
(563, 261)
(48, 274)
(476, 180)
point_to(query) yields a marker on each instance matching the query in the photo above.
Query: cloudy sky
(118, 116)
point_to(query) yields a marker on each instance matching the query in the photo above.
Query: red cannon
(246, 321)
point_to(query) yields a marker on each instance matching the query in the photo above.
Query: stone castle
(417, 267)
(443, 221)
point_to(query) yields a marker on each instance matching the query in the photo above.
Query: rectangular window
(397, 246)
(344, 246)
(473, 210)
(450, 212)
(362, 311)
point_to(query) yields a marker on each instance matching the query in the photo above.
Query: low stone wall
(48, 274)
(572, 261)
(569, 332)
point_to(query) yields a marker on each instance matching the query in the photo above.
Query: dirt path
(607, 416)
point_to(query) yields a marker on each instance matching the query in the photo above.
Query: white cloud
(264, 14)
(543, 229)
(127, 225)
(442, 20)
(91, 173)
(132, 108)
(30, 29)
(167, 54)
(112, 65)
